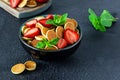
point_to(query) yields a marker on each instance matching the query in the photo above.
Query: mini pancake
(69, 25)
(38, 25)
(39, 37)
(77, 31)
(22, 3)
(51, 48)
(44, 31)
(31, 3)
(18, 68)
(23, 29)
(73, 21)
(26, 38)
(51, 34)
(6, 1)
(34, 42)
(30, 65)
(59, 31)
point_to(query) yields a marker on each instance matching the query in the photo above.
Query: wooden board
(26, 11)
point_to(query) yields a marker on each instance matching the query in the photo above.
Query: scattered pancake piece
(30, 65)
(22, 3)
(51, 34)
(69, 25)
(18, 68)
(59, 31)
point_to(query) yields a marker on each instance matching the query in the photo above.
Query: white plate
(26, 11)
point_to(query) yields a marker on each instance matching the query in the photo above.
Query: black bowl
(48, 54)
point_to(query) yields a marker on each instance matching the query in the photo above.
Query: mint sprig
(101, 22)
(46, 43)
(107, 18)
(58, 20)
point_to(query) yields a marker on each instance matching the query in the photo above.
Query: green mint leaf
(106, 18)
(58, 20)
(41, 45)
(100, 26)
(55, 18)
(96, 24)
(91, 12)
(63, 18)
(95, 21)
(53, 41)
(50, 21)
(100, 23)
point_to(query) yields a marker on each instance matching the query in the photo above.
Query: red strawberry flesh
(32, 33)
(31, 23)
(71, 36)
(43, 22)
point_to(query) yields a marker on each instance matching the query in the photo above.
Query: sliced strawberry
(43, 22)
(42, 1)
(62, 43)
(71, 36)
(14, 3)
(31, 33)
(31, 23)
(49, 16)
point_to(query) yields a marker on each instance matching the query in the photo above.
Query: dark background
(98, 55)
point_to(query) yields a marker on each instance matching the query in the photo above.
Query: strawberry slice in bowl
(71, 36)
(49, 16)
(62, 43)
(43, 22)
(31, 33)
(31, 23)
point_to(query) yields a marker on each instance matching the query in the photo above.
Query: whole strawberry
(42, 1)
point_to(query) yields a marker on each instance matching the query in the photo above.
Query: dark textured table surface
(98, 55)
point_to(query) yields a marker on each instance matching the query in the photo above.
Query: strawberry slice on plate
(62, 43)
(31, 23)
(14, 3)
(31, 33)
(71, 36)
(43, 22)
